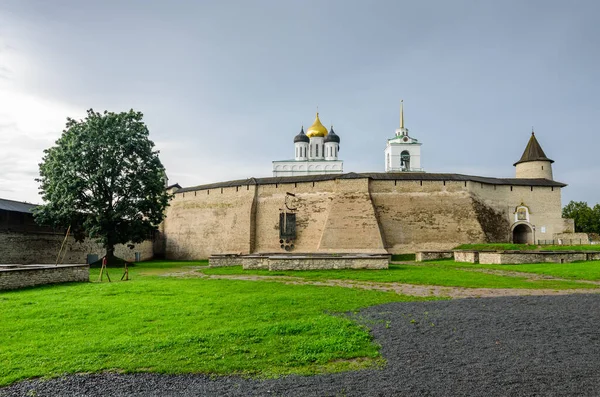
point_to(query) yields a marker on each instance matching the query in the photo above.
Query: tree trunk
(110, 254)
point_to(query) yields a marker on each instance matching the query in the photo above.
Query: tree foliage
(104, 178)
(587, 219)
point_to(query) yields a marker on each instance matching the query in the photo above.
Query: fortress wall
(417, 215)
(544, 204)
(312, 202)
(205, 222)
(353, 215)
(352, 225)
(42, 248)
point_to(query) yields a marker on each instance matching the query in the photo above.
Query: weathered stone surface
(30, 275)
(466, 256)
(571, 238)
(27, 248)
(355, 216)
(433, 255)
(518, 257)
(328, 262)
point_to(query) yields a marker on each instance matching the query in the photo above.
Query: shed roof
(16, 206)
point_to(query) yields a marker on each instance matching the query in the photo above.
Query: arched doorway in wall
(522, 234)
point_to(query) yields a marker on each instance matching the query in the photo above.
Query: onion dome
(332, 136)
(317, 129)
(301, 137)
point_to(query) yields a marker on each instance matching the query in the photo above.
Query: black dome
(332, 136)
(301, 137)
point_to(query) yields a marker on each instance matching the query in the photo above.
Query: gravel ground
(509, 346)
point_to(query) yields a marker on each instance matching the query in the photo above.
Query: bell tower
(403, 152)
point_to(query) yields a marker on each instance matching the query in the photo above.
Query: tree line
(587, 219)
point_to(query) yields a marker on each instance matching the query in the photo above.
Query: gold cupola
(316, 129)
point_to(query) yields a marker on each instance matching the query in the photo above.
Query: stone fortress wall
(42, 248)
(356, 213)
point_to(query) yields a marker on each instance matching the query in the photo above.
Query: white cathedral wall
(312, 167)
(331, 150)
(316, 142)
(301, 151)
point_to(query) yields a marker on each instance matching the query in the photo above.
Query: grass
(183, 325)
(527, 247)
(442, 273)
(403, 257)
(573, 271)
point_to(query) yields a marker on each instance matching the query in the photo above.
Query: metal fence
(562, 241)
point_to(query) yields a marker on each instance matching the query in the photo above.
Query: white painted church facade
(315, 152)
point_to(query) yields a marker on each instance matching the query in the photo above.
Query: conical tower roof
(533, 152)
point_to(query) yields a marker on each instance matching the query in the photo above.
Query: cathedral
(315, 152)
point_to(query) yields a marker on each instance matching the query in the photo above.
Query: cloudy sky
(225, 85)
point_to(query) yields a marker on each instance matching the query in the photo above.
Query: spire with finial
(402, 114)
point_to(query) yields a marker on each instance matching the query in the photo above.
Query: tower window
(317, 150)
(542, 167)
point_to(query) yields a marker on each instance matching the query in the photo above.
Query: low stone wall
(433, 255)
(254, 262)
(466, 256)
(518, 257)
(314, 262)
(224, 260)
(27, 248)
(571, 238)
(19, 276)
(301, 262)
(592, 256)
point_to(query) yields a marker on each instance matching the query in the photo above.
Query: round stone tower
(533, 162)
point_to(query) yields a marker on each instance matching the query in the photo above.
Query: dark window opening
(287, 226)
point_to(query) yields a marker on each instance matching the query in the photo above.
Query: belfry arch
(522, 234)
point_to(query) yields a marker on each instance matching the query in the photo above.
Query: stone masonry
(28, 276)
(356, 214)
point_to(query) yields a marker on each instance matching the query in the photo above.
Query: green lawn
(442, 273)
(182, 325)
(575, 271)
(528, 247)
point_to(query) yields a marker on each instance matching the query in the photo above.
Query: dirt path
(399, 288)
(528, 276)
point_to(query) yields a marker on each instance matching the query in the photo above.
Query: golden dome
(317, 129)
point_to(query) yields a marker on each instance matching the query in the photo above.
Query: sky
(226, 85)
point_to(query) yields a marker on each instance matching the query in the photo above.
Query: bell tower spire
(402, 114)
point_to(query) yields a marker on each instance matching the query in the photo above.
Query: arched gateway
(522, 234)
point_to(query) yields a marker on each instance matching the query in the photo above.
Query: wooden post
(61, 247)
(126, 274)
(102, 269)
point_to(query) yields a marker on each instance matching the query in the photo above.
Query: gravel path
(508, 346)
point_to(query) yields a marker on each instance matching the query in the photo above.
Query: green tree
(104, 177)
(587, 220)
